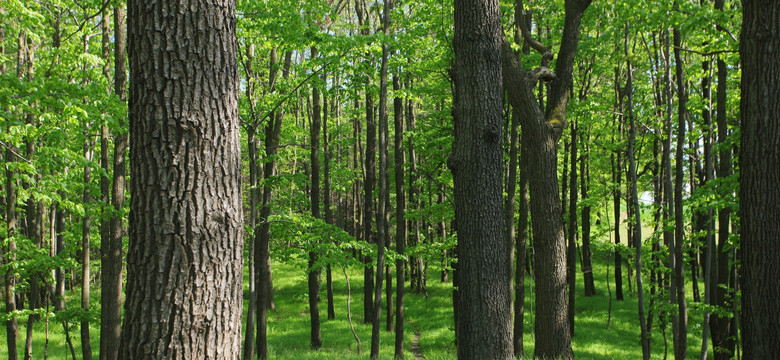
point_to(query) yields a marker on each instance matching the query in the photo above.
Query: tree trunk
(86, 346)
(617, 175)
(759, 196)
(254, 192)
(484, 318)
(520, 252)
(186, 222)
(111, 247)
(679, 321)
(326, 199)
(264, 287)
(384, 195)
(587, 266)
(634, 195)
(571, 253)
(9, 256)
(544, 130)
(723, 331)
(400, 221)
(313, 273)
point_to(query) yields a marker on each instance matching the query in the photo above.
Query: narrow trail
(415, 347)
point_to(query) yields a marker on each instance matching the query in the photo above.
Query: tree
(759, 196)
(400, 221)
(184, 258)
(677, 292)
(484, 328)
(544, 130)
(313, 272)
(111, 246)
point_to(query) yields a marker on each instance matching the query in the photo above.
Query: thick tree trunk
(185, 253)
(759, 195)
(484, 328)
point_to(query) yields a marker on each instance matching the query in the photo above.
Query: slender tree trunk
(384, 194)
(668, 197)
(400, 220)
(326, 199)
(9, 256)
(709, 173)
(369, 181)
(637, 233)
(723, 330)
(587, 266)
(264, 286)
(254, 194)
(759, 195)
(186, 165)
(520, 252)
(617, 175)
(571, 253)
(111, 246)
(314, 272)
(678, 278)
(86, 199)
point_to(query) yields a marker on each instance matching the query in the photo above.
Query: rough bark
(185, 254)
(484, 319)
(759, 195)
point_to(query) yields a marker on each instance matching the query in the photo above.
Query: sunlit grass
(289, 324)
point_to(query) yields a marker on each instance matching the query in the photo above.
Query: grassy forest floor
(428, 325)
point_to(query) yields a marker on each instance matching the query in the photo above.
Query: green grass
(288, 333)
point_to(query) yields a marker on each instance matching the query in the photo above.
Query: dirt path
(416, 345)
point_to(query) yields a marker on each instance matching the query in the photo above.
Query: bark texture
(184, 259)
(759, 195)
(484, 328)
